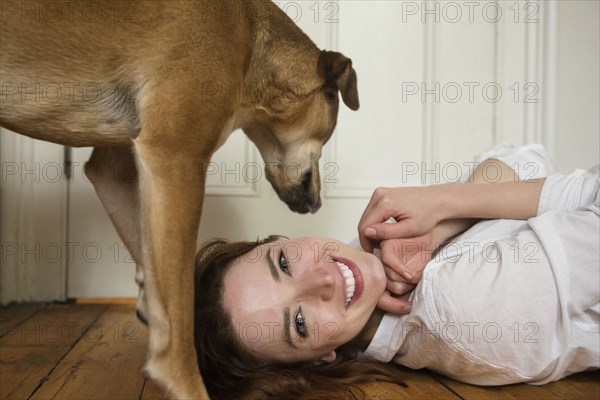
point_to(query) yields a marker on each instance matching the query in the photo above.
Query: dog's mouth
(306, 207)
(299, 200)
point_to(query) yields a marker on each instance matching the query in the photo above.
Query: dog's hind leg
(113, 172)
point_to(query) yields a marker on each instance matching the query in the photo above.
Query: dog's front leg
(171, 194)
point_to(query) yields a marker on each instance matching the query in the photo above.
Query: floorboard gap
(142, 391)
(434, 376)
(19, 323)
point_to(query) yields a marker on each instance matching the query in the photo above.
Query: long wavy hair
(232, 372)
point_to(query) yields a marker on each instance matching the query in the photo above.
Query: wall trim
(541, 40)
(549, 73)
(430, 112)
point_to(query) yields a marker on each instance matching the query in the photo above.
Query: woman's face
(300, 299)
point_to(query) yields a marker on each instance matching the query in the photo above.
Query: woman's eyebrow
(271, 264)
(286, 328)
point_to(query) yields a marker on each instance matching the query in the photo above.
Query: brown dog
(156, 87)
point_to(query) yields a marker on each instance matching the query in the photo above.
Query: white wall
(578, 80)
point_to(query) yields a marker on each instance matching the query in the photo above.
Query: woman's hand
(393, 304)
(404, 261)
(407, 245)
(415, 209)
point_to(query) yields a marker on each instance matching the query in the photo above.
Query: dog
(156, 87)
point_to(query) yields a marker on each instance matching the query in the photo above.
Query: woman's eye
(300, 324)
(283, 263)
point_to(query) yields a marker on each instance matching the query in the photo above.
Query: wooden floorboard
(584, 386)
(152, 391)
(420, 386)
(12, 317)
(30, 351)
(105, 364)
(96, 351)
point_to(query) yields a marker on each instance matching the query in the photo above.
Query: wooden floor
(95, 351)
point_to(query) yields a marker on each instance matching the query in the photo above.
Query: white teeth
(350, 282)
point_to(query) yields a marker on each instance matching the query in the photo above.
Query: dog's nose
(311, 204)
(307, 181)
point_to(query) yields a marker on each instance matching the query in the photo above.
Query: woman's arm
(502, 173)
(510, 200)
(448, 209)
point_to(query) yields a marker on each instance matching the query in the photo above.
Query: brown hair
(231, 372)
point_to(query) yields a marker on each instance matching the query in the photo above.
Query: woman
(510, 300)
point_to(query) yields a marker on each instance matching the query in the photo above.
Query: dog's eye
(283, 264)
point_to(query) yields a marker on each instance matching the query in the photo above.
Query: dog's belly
(72, 138)
(107, 117)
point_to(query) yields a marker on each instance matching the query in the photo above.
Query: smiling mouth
(349, 279)
(353, 281)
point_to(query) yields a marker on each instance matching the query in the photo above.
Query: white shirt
(510, 301)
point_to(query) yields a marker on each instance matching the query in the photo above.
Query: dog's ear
(339, 75)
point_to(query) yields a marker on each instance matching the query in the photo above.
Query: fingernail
(370, 232)
(407, 275)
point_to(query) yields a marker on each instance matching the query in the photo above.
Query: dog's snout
(301, 196)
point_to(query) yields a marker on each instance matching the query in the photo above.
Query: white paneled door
(438, 82)
(100, 265)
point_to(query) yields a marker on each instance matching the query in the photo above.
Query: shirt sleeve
(529, 162)
(568, 192)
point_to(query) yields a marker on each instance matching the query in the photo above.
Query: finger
(393, 305)
(365, 234)
(418, 274)
(390, 259)
(363, 223)
(404, 228)
(415, 265)
(375, 212)
(393, 275)
(366, 243)
(399, 288)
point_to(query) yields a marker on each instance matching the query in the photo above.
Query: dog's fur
(156, 87)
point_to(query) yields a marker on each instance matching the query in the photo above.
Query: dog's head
(291, 131)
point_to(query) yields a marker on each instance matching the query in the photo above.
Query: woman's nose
(320, 283)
